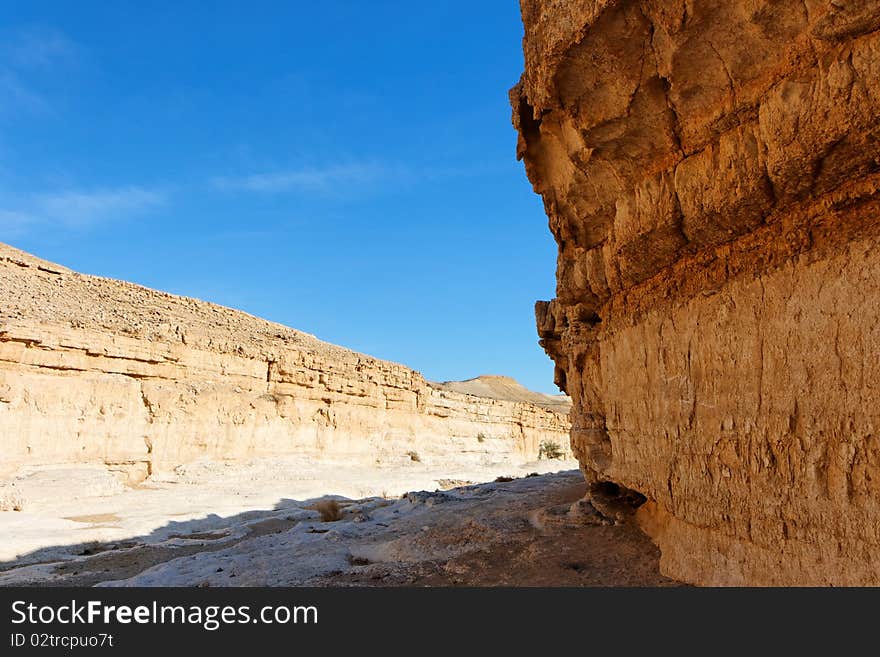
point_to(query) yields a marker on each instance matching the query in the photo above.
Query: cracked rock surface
(710, 170)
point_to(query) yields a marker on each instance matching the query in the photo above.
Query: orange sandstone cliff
(710, 169)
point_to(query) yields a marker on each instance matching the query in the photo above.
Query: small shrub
(10, 499)
(503, 479)
(414, 456)
(481, 437)
(329, 509)
(549, 449)
(448, 484)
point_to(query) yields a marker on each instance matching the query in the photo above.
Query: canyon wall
(94, 370)
(710, 170)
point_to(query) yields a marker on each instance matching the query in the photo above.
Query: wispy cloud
(76, 209)
(359, 175)
(36, 47)
(306, 179)
(13, 223)
(15, 95)
(29, 59)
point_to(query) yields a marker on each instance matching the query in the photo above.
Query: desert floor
(256, 523)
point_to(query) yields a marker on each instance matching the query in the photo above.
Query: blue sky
(345, 168)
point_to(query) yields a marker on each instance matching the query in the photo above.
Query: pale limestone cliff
(100, 371)
(710, 169)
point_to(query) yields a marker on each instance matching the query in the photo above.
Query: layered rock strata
(94, 370)
(710, 169)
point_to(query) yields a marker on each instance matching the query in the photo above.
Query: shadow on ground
(533, 531)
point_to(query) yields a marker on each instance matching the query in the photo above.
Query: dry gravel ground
(535, 538)
(531, 531)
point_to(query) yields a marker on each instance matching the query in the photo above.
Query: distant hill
(507, 389)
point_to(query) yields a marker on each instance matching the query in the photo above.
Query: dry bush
(329, 509)
(414, 456)
(10, 499)
(503, 480)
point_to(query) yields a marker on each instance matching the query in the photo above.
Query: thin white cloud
(37, 47)
(15, 95)
(305, 179)
(13, 223)
(347, 176)
(31, 58)
(76, 209)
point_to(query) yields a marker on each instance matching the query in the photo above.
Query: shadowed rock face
(710, 170)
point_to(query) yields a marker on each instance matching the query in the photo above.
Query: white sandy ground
(71, 513)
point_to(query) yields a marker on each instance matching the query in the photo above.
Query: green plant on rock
(549, 449)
